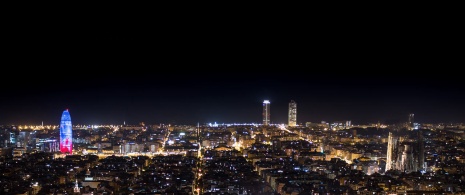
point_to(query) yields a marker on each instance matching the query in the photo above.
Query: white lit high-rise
(266, 112)
(292, 117)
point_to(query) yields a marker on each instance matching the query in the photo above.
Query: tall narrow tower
(66, 133)
(410, 122)
(266, 112)
(421, 150)
(292, 114)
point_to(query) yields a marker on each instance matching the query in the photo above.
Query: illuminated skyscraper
(292, 114)
(66, 133)
(410, 121)
(266, 112)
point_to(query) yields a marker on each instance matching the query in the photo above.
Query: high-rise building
(266, 112)
(410, 122)
(421, 150)
(66, 133)
(292, 117)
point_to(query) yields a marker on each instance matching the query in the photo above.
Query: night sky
(104, 77)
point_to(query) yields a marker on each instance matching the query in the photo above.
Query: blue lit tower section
(66, 133)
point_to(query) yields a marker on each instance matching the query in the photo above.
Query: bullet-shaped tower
(66, 133)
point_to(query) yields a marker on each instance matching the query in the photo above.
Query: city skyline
(232, 97)
(148, 104)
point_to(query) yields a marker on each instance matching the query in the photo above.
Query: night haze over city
(230, 97)
(108, 76)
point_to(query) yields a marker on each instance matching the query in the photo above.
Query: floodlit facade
(66, 133)
(405, 155)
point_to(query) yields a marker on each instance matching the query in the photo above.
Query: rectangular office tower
(410, 122)
(266, 112)
(66, 133)
(292, 114)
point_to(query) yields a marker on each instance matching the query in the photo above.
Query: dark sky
(227, 97)
(110, 74)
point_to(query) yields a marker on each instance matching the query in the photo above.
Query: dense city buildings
(336, 157)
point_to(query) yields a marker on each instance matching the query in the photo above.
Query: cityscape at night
(109, 116)
(293, 157)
